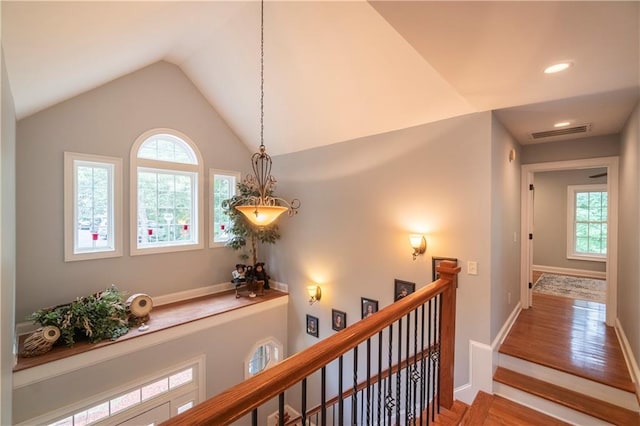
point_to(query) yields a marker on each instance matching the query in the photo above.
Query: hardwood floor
(490, 410)
(571, 336)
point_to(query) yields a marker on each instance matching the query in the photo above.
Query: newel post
(448, 271)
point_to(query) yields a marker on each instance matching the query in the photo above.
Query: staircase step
(577, 401)
(451, 417)
(495, 410)
(597, 390)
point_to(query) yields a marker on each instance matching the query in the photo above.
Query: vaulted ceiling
(339, 70)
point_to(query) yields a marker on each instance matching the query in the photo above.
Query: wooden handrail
(237, 401)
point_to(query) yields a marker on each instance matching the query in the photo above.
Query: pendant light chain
(262, 75)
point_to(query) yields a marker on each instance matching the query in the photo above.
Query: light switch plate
(472, 267)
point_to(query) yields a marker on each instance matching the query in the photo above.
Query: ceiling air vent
(583, 128)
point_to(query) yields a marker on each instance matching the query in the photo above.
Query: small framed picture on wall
(312, 325)
(435, 261)
(402, 289)
(369, 307)
(338, 320)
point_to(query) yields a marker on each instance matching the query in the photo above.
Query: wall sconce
(315, 294)
(418, 243)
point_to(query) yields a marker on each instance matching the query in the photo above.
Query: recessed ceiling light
(560, 66)
(562, 124)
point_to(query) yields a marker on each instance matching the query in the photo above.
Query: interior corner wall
(360, 201)
(107, 121)
(573, 149)
(505, 226)
(629, 226)
(7, 243)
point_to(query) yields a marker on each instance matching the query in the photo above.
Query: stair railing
(422, 376)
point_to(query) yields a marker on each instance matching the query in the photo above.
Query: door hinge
(531, 187)
(531, 236)
(530, 285)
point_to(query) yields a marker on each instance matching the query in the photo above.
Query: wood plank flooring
(162, 317)
(571, 336)
(594, 407)
(492, 410)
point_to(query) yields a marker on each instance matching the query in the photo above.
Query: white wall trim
(483, 361)
(86, 359)
(632, 365)
(569, 271)
(27, 327)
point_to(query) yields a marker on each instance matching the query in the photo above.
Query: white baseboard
(483, 361)
(632, 365)
(569, 271)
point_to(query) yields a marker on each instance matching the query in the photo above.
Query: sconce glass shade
(315, 293)
(418, 243)
(261, 215)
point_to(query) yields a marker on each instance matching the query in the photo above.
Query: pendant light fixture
(264, 208)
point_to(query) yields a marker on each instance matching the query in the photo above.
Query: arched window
(166, 212)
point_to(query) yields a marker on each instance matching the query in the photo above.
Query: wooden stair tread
(451, 417)
(567, 397)
(490, 410)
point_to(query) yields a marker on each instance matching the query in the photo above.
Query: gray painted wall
(505, 227)
(7, 243)
(550, 218)
(628, 241)
(361, 200)
(106, 121)
(574, 149)
(224, 364)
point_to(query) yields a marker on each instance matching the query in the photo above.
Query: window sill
(167, 322)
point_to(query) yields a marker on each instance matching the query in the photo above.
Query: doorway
(528, 231)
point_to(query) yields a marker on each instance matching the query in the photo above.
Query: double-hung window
(165, 193)
(587, 207)
(222, 187)
(92, 206)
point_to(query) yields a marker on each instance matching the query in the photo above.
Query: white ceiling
(339, 70)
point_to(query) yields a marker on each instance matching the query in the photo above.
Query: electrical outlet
(472, 267)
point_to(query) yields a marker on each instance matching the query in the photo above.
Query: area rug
(573, 287)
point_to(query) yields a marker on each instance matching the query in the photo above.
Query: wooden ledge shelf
(162, 318)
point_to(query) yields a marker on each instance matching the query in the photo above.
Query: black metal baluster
(430, 344)
(399, 360)
(323, 396)
(303, 408)
(340, 398)
(415, 375)
(281, 412)
(380, 388)
(254, 417)
(434, 355)
(439, 299)
(368, 381)
(388, 399)
(423, 377)
(354, 400)
(408, 411)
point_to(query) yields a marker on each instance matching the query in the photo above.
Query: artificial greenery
(242, 231)
(97, 317)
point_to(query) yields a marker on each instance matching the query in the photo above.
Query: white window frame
(571, 225)
(193, 391)
(213, 173)
(142, 163)
(275, 354)
(71, 251)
